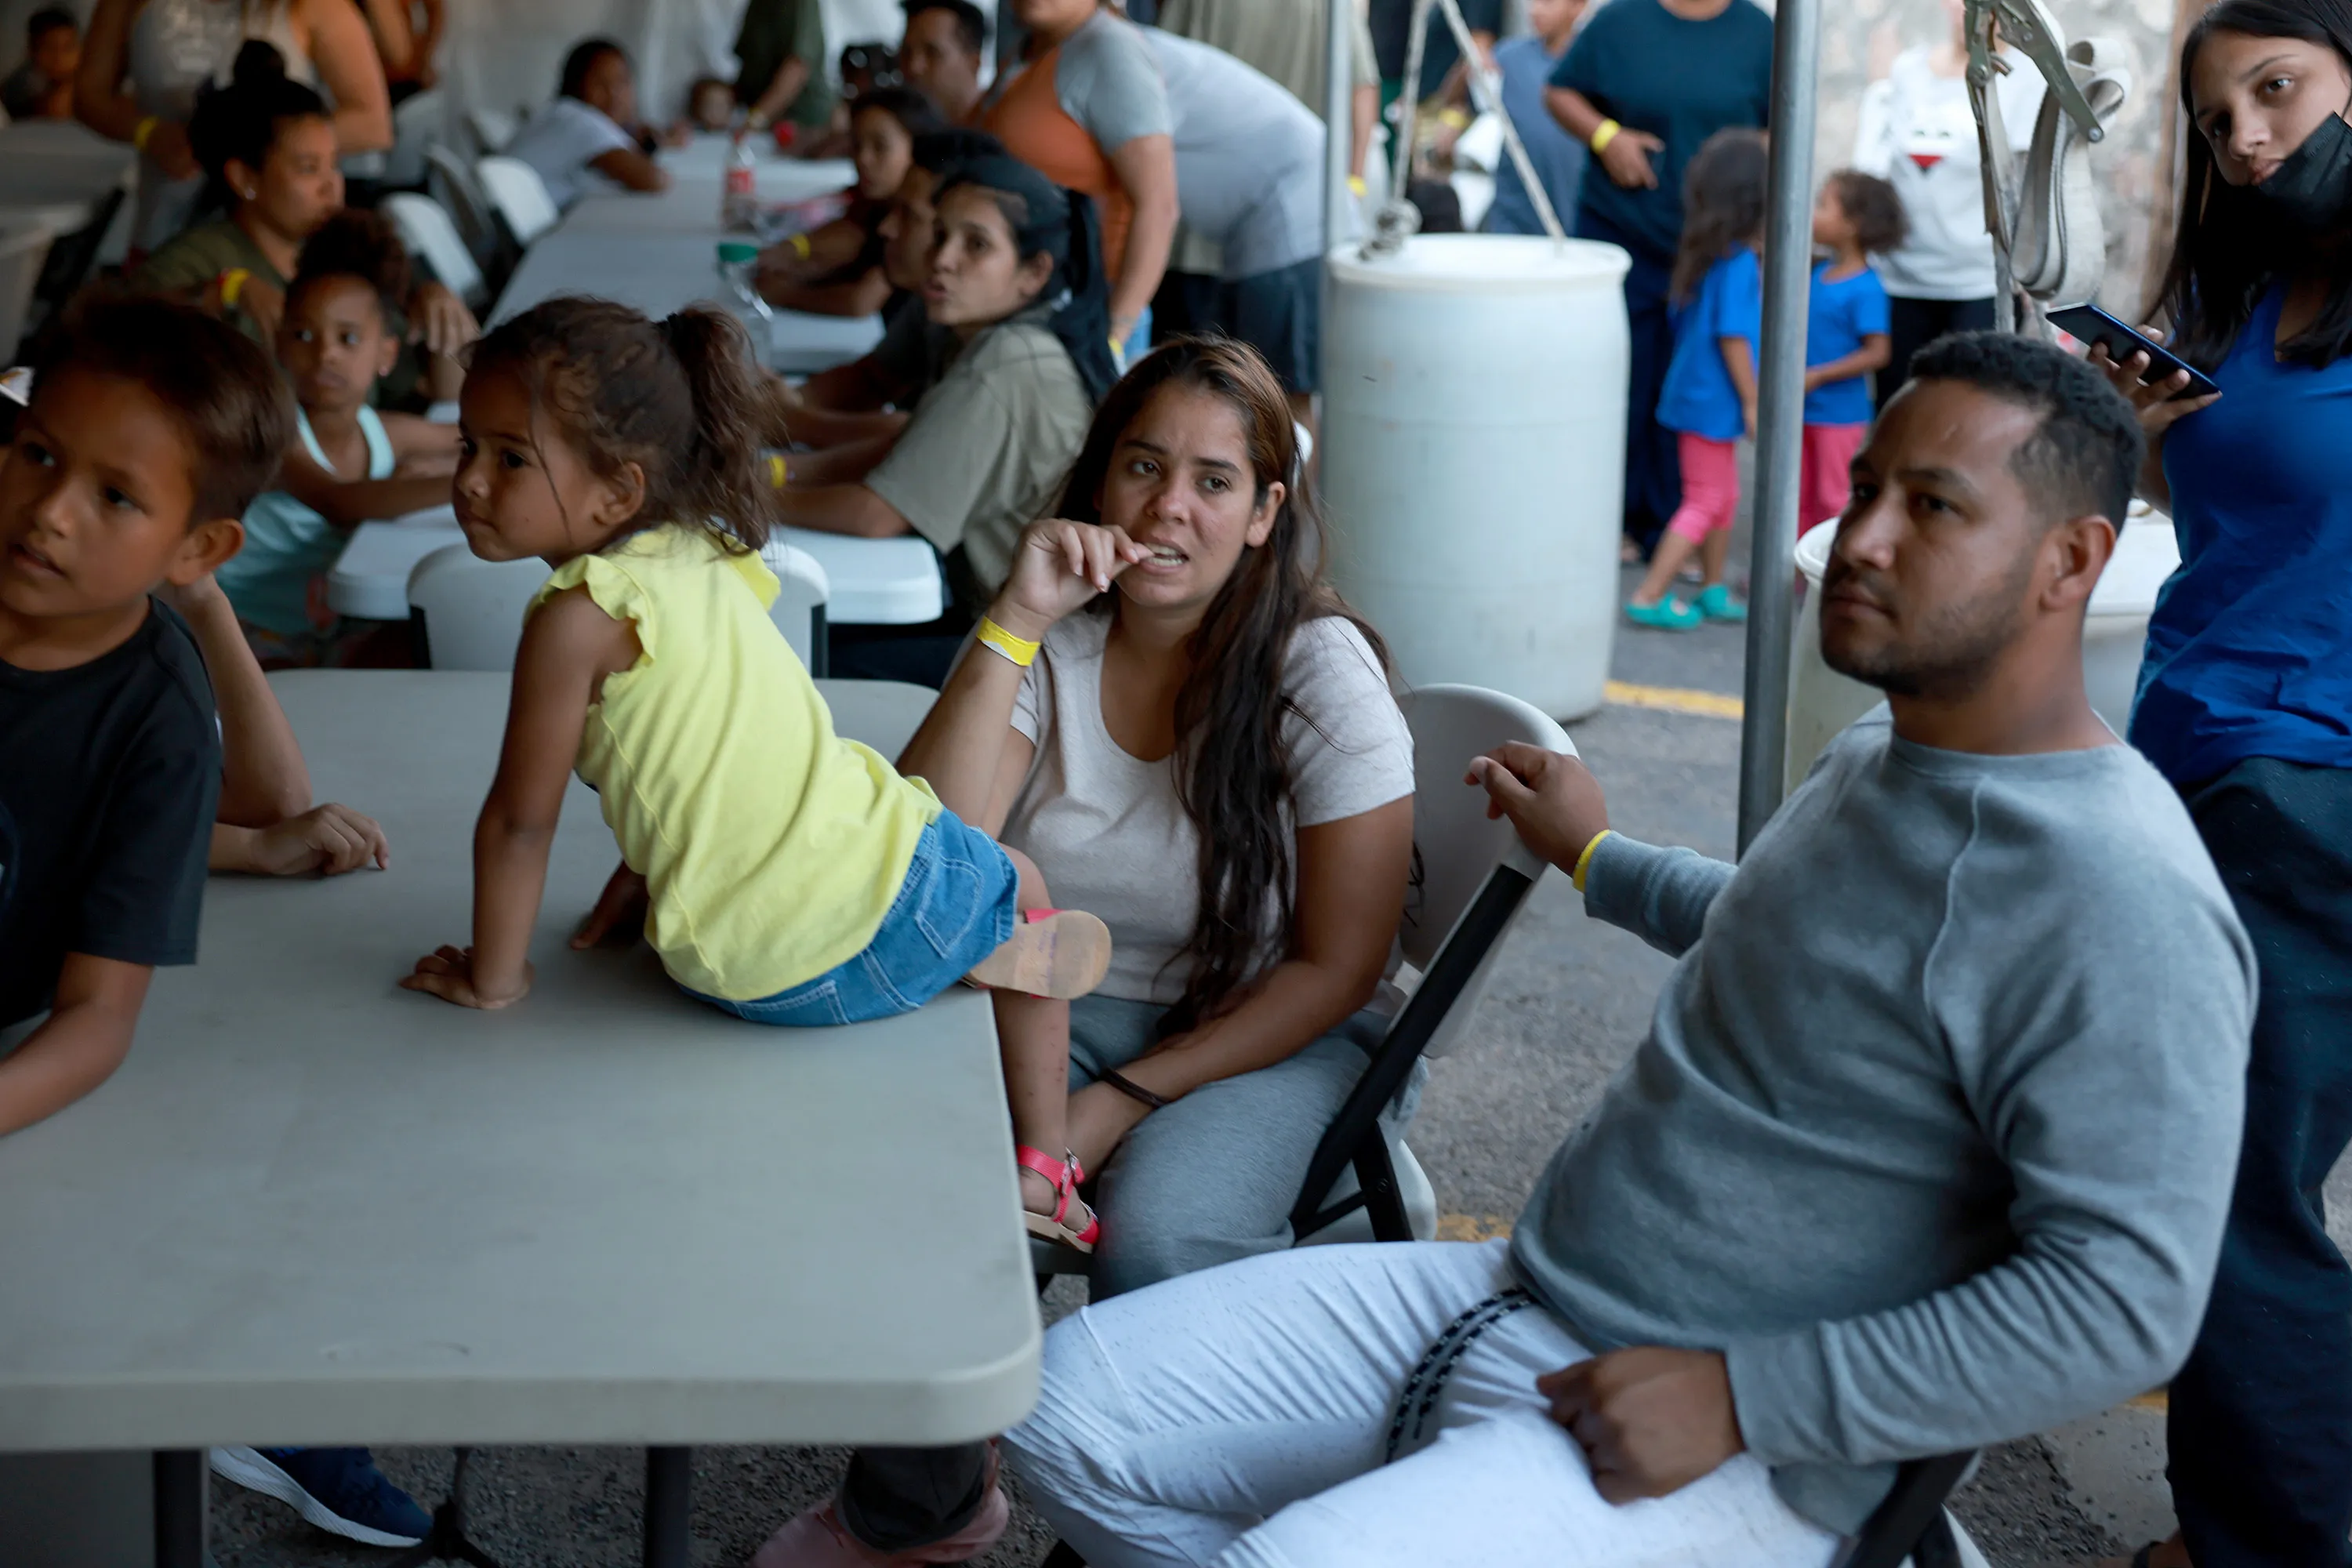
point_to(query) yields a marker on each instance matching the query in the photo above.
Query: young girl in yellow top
(787, 876)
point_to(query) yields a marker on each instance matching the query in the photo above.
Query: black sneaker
(337, 1489)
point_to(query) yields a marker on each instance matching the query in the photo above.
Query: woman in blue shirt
(2246, 705)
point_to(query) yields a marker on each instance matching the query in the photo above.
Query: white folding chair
(452, 181)
(467, 613)
(425, 227)
(419, 125)
(518, 196)
(799, 609)
(23, 251)
(493, 129)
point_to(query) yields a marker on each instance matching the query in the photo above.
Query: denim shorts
(955, 907)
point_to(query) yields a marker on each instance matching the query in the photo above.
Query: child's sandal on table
(1065, 1174)
(1059, 953)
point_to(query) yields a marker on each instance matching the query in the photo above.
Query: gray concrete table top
(314, 1208)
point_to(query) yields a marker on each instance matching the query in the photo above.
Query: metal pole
(1779, 414)
(1339, 122)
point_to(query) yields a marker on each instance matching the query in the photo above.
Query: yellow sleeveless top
(770, 847)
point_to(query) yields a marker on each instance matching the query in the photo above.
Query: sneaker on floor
(817, 1539)
(340, 1490)
(1667, 614)
(1717, 604)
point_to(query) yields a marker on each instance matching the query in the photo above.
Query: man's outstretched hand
(1553, 800)
(1650, 1420)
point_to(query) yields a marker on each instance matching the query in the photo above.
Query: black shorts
(1278, 313)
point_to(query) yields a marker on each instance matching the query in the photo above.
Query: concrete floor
(1571, 999)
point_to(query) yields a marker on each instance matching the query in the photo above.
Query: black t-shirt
(110, 774)
(1391, 24)
(1681, 81)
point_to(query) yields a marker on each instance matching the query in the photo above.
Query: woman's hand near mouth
(1060, 566)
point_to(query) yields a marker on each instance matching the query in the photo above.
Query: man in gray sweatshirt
(1929, 1146)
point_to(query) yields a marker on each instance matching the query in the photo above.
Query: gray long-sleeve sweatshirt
(1934, 1131)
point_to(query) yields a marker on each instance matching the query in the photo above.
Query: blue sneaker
(337, 1489)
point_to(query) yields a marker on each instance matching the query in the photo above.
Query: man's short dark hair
(941, 152)
(47, 20)
(971, 23)
(233, 409)
(2086, 456)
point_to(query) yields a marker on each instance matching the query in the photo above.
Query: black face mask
(2311, 192)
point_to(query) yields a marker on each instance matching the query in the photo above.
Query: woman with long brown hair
(1169, 710)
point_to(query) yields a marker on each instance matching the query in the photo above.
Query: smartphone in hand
(2121, 339)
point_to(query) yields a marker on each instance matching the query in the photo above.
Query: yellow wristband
(1584, 861)
(801, 247)
(1355, 184)
(1454, 118)
(232, 284)
(144, 131)
(778, 472)
(1020, 650)
(1604, 134)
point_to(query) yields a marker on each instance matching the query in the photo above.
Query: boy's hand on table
(619, 917)
(329, 839)
(448, 972)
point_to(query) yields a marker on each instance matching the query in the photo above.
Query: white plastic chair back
(472, 608)
(1452, 724)
(492, 129)
(22, 252)
(425, 227)
(799, 609)
(452, 181)
(419, 125)
(519, 195)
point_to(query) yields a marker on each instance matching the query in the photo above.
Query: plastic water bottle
(739, 262)
(739, 199)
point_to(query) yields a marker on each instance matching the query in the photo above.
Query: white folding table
(697, 176)
(312, 1208)
(874, 582)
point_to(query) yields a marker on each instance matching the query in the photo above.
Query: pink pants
(1825, 480)
(1710, 487)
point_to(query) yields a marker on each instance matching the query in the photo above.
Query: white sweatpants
(1243, 1417)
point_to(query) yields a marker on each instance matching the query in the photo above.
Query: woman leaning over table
(1176, 716)
(144, 61)
(2245, 703)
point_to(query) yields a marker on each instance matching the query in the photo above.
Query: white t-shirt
(1917, 132)
(1107, 830)
(562, 141)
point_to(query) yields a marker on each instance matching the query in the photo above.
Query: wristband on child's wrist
(800, 246)
(1584, 861)
(1604, 134)
(232, 284)
(145, 133)
(779, 470)
(1020, 651)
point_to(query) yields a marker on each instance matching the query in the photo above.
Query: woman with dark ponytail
(2245, 704)
(1173, 714)
(1016, 275)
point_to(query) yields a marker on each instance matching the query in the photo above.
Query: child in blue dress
(1857, 216)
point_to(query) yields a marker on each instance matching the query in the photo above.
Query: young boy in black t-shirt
(151, 429)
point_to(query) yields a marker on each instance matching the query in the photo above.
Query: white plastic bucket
(1821, 702)
(1474, 442)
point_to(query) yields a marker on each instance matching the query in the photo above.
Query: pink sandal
(1065, 1174)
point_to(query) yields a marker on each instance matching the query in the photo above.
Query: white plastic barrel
(1474, 440)
(1821, 701)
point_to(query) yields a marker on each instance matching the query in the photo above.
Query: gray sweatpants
(1212, 1177)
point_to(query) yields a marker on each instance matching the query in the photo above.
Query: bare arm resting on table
(843, 509)
(85, 1039)
(569, 646)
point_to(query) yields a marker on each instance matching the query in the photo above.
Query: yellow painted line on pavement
(2159, 1400)
(1472, 1226)
(1672, 699)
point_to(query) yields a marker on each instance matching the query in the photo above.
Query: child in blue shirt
(1857, 216)
(1709, 398)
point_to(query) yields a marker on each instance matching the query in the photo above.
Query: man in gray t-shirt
(1928, 1147)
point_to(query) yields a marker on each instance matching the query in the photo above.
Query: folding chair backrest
(493, 129)
(72, 255)
(451, 181)
(1459, 846)
(519, 197)
(419, 124)
(799, 609)
(425, 227)
(467, 612)
(22, 252)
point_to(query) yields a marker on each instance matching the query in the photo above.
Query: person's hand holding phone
(2158, 402)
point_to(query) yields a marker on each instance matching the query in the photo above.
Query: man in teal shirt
(781, 48)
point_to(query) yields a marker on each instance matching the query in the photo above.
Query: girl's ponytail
(723, 474)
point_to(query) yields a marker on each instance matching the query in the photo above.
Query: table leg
(181, 1506)
(669, 1507)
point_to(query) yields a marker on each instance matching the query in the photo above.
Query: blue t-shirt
(1558, 158)
(1699, 398)
(1682, 81)
(1838, 316)
(2249, 650)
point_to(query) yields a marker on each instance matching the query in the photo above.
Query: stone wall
(1860, 37)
